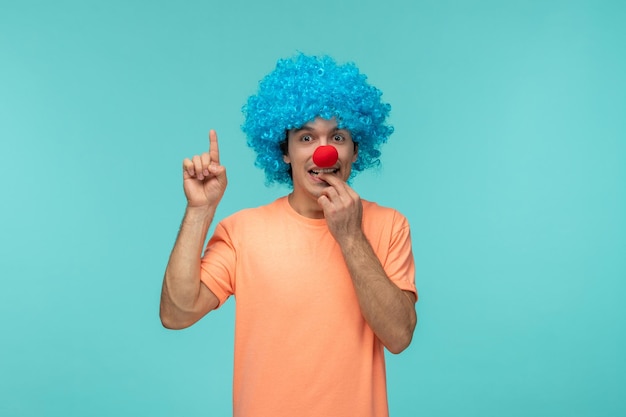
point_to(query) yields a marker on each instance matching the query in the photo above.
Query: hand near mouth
(342, 208)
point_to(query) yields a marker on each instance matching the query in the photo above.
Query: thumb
(219, 172)
(216, 169)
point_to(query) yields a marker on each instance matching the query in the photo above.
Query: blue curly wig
(303, 88)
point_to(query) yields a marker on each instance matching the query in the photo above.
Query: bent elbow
(404, 337)
(171, 322)
(400, 344)
(175, 319)
(169, 325)
(174, 325)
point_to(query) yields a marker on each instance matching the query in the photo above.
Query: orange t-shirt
(302, 347)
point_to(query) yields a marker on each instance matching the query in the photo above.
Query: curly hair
(303, 88)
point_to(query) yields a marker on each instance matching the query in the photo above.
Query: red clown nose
(325, 156)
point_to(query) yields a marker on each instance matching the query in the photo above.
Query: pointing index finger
(214, 151)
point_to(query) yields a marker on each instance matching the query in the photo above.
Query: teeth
(324, 171)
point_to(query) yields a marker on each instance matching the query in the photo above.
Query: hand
(204, 179)
(342, 208)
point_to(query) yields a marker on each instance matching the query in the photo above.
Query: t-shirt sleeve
(400, 264)
(217, 267)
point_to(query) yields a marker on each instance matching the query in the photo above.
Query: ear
(356, 152)
(284, 148)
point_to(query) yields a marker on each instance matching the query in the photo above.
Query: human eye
(338, 137)
(306, 138)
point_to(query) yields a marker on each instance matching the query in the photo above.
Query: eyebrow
(310, 129)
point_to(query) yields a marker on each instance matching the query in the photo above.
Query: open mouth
(323, 171)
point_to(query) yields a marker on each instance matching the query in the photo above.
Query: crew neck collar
(284, 202)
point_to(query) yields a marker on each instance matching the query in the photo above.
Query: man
(323, 280)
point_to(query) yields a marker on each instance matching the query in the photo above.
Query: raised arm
(184, 299)
(388, 310)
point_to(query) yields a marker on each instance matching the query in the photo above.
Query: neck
(305, 207)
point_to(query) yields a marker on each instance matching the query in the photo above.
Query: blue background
(509, 160)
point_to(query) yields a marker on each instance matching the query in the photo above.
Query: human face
(301, 143)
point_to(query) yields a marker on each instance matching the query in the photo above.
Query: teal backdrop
(509, 160)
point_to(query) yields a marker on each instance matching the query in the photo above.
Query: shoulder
(387, 231)
(254, 227)
(247, 217)
(373, 212)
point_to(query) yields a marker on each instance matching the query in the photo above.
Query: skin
(184, 299)
(388, 310)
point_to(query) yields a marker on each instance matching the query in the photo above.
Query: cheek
(297, 157)
(349, 155)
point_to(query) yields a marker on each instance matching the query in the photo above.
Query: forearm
(386, 308)
(181, 301)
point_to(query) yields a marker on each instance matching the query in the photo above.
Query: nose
(325, 156)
